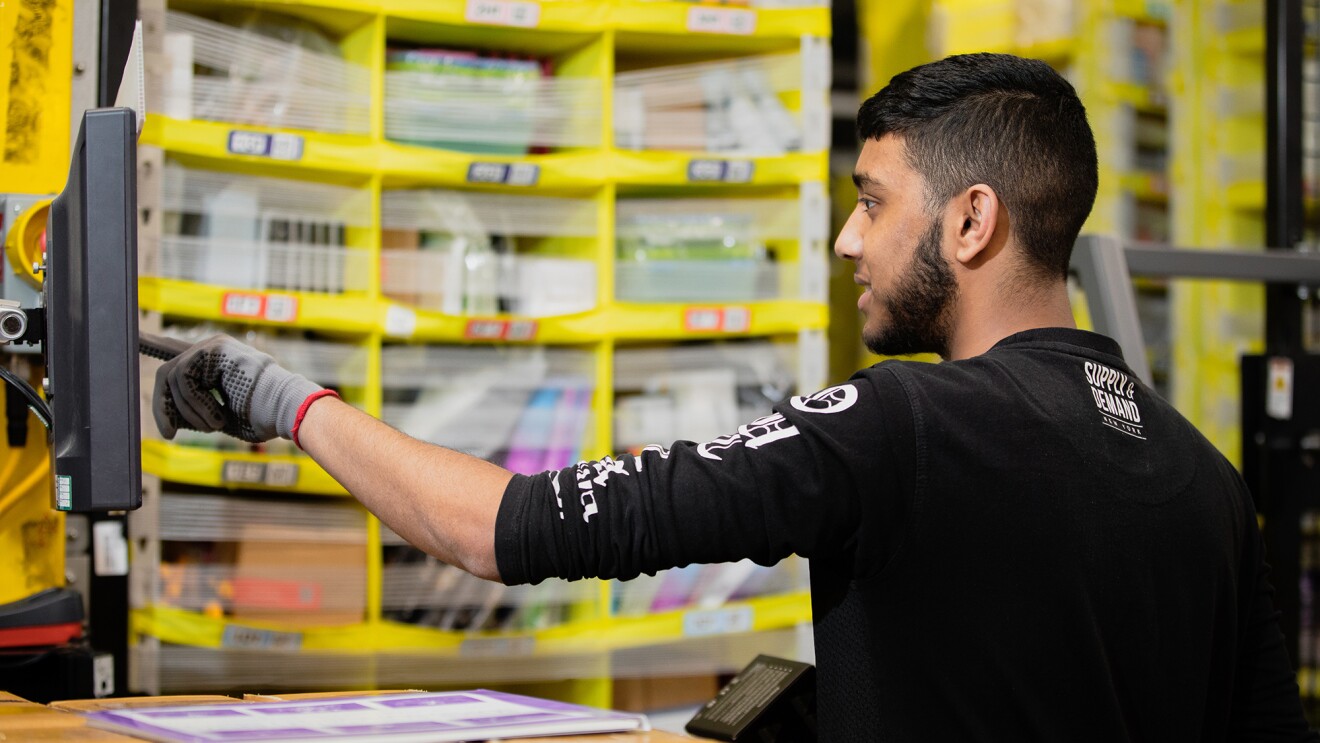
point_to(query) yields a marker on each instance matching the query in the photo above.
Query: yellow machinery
(36, 49)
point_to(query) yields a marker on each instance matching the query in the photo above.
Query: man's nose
(848, 245)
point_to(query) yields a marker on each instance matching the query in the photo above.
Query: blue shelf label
(720, 171)
(261, 144)
(507, 174)
(238, 637)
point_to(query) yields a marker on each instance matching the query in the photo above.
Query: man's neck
(979, 325)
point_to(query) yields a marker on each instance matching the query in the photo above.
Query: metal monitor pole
(1284, 154)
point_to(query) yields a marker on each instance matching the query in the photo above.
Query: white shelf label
(261, 144)
(496, 647)
(504, 13)
(720, 171)
(707, 20)
(506, 174)
(400, 322)
(717, 621)
(272, 474)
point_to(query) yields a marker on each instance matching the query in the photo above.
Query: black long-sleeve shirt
(1025, 545)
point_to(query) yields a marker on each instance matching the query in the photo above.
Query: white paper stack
(262, 233)
(222, 73)
(455, 252)
(462, 101)
(727, 106)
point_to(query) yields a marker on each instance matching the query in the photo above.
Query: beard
(919, 307)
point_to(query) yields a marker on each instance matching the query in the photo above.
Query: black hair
(1013, 124)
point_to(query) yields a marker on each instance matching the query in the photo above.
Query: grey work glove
(260, 398)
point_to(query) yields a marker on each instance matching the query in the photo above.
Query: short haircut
(1012, 123)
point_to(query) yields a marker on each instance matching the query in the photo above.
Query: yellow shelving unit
(221, 469)
(1220, 205)
(177, 642)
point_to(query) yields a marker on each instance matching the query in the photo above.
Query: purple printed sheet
(400, 718)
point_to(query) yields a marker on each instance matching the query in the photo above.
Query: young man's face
(896, 246)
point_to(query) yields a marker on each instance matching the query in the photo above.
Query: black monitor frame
(91, 343)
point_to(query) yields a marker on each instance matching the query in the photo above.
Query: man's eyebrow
(861, 180)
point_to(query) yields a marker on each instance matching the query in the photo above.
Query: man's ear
(977, 213)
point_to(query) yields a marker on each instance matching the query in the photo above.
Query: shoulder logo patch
(1115, 397)
(833, 400)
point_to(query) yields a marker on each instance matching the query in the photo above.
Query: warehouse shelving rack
(174, 647)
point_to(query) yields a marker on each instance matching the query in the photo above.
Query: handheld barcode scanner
(160, 347)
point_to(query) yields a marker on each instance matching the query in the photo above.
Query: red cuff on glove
(302, 411)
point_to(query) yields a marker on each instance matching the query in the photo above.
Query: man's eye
(866, 204)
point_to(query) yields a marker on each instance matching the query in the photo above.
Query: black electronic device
(91, 340)
(772, 700)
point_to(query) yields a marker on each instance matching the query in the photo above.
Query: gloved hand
(261, 399)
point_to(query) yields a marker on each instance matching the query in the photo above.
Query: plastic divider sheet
(220, 72)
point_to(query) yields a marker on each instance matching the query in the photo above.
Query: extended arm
(442, 501)
(782, 484)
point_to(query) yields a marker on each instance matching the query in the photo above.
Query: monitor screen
(91, 343)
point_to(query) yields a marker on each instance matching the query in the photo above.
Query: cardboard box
(24, 720)
(301, 584)
(649, 694)
(400, 240)
(324, 695)
(96, 705)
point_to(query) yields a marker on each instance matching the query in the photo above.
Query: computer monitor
(91, 343)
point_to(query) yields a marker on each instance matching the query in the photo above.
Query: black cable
(8, 665)
(37, 405)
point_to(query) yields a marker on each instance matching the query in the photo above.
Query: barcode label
(735, 319)
(491, 329)
(717, 621)
(250, 638)
(270, 474)
(63, 492)
(261, 144)
(269, 307)
(507, 174)
(720, 171)
(497, 647)
(504, 13)
(721, 21)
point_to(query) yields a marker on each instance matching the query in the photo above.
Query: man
(1021, 543)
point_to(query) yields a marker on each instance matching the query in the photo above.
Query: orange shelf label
(254, 306)
(732, 319)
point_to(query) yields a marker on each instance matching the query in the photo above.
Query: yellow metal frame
(36, 53)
